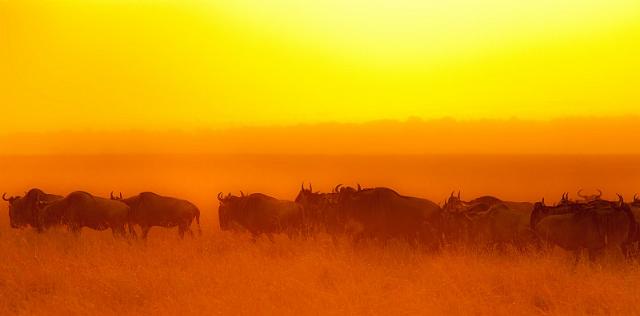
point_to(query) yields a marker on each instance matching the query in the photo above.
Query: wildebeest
(592, 226)
(635, 238)
(149, 209)
(320, 209)
(488, 221)
(81, 209)
(383, 214)
(22, 210)
(261, 214)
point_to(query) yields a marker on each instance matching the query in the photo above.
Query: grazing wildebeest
(488, 221)
(261, 214)
(383, 214)
(320, 209)
(594, 226)
(81, 209)
(22, 210)
(149, 209)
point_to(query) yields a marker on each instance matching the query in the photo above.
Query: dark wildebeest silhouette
(81, 209)
(149, 209)
(635, 239)
(261, 214)
(488, 221)
(383, 214)
(320, 210)
(594, 226)
(22, 210)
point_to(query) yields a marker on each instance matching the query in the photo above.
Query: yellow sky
(117, 64)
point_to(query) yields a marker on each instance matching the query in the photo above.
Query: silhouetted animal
(81, 209)
(149, 209)
(320, 209)
(261, 214)
(592, 226)
(488, 221)
(383, 214)
(23, 210)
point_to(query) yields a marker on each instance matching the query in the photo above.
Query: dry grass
(218, 273)
(221, 273)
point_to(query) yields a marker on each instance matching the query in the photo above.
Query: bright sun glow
(207, 64)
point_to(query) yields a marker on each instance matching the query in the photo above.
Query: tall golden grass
(225, 273)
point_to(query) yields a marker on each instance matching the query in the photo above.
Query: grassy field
(222, 273)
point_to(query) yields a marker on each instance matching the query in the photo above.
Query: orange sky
(190, 65)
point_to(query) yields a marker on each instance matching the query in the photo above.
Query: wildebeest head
(116, 198)
(319, 207)
(590, 198)
(225, 211)
(17, 217)
(636, 201)
(454, 204)
(564, 200)
(540, 210)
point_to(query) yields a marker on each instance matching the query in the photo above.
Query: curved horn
(600, 194)
(458, 194)
(121, 195)
(337, 188)
(635, 197)
(220, 196)
(241, 193)
(111, 195)
(359, 187)
(452, 192)
(4, 197)
(542, 201)
(621, 199)
(580, 194)
(302, 186)
(310, 188)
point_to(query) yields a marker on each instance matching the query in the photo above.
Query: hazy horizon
(583, 136)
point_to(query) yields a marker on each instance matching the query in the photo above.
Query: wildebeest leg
(119, 231)
(75, 230)
(145, 231)
(594, 253)
(626, 250)
(576, 254)
(270, 236)
(181, 230)
(132, 231)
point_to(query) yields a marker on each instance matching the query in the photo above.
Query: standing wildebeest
(383, 214)
(488, 221)
(635, 210)
(593, 226)
(22, 210)
(81, 209)
(149, 209)
(261, 214)
(320, 209)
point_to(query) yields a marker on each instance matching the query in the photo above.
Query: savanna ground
(225, 273)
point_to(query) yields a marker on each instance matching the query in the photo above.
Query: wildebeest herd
(362, 214)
